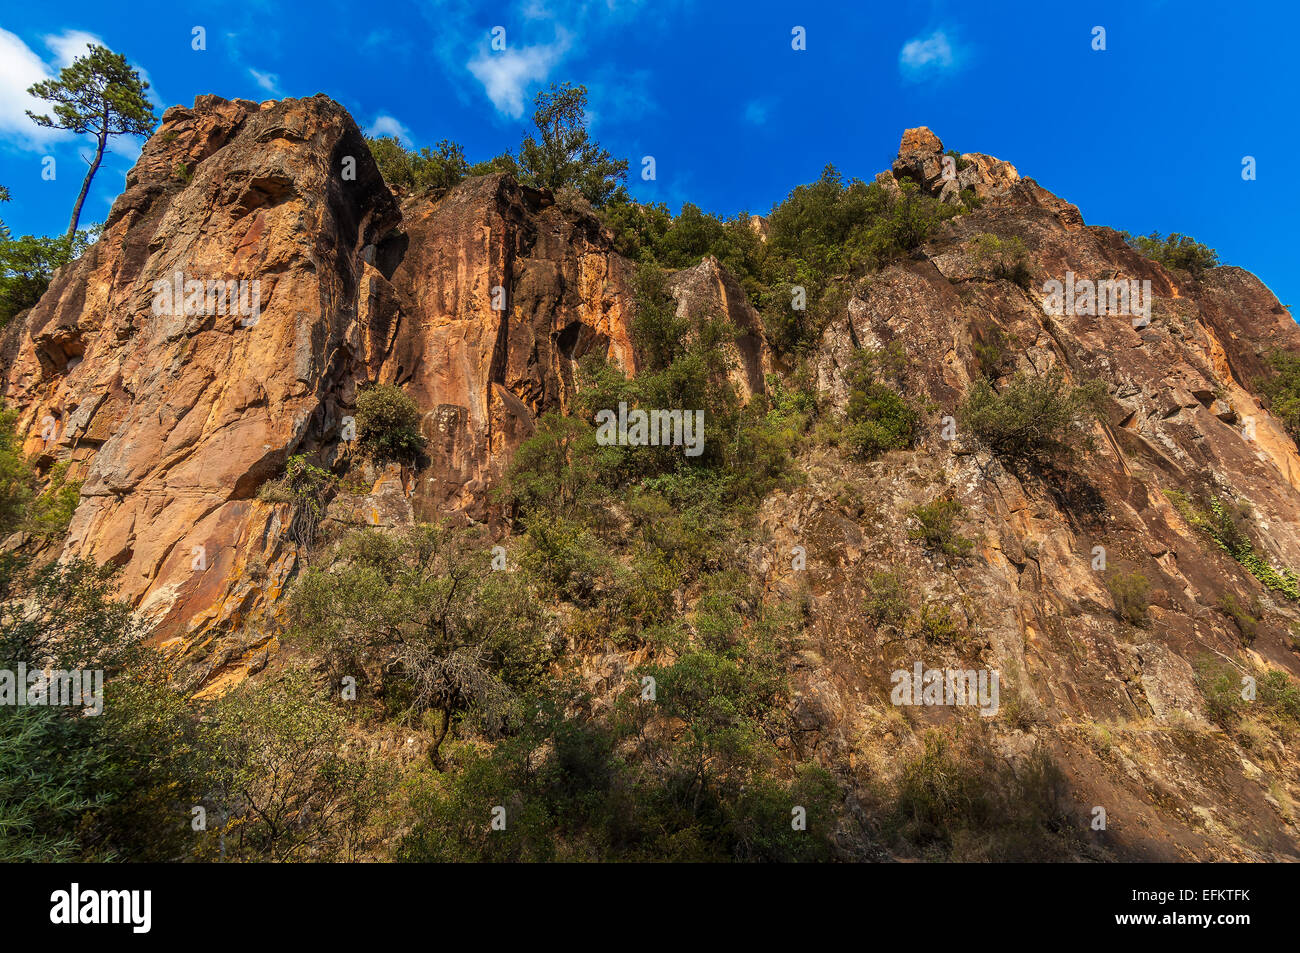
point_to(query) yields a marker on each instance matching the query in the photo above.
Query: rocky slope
(480, 301)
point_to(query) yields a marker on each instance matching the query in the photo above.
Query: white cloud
(19, 69)
(927, 56)
(756, 112)
(388, 126)
(507, 74)
(268, 81)
(70, 44)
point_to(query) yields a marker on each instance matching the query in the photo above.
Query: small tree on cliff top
(100, 94)
(565, 154)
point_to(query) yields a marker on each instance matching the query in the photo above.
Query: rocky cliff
(479, 301)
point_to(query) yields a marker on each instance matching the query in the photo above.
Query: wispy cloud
(268, 81)
(388, 126)
(541, 36)
(617, 95)
(70, 44)
(756, 112)
(928, 57)
(508, 74)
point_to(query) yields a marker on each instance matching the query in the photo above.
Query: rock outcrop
(478, 302)
(1185, 416)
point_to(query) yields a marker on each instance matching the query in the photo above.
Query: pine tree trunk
(85, 188)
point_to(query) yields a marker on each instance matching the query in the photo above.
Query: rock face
(708, 289)
(480, 308)
(174, 415)
(480, 301)
(1184, 415)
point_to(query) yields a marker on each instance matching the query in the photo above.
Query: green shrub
(937, 624)
(937, 529)
(887, 601)
(52, 510)
(1277, 695)
(1175, 251)
(424, 170)
(1246, 621)
(992, 349)
(1034, 421)
(388, 423)
(16, 477)
(28, 263)
(1282, 388)
(877, 418)
(958, 800)
(1227, 522)
(819, 238)
(1132, 594)
(307, 488)
(1005, 258)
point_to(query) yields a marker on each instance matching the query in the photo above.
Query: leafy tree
(396, 164)
(502, 163)
(283, 782)
(563, 154)
(70, 616)
(442, 168)
(46, 783)
(28, 263)
(50, 763)
(100, 94)
(450, 636)
(558, 468)
(425, 170)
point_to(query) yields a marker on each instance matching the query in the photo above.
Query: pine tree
(100, 94)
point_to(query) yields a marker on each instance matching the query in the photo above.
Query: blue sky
(1148, 134)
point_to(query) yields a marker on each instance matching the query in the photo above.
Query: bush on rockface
(877, 418)
(388, 424)
(1282, 388)
(1227, 521)
(1132, 594)
(936, 528)
(1034, 421)
(1005, 258)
